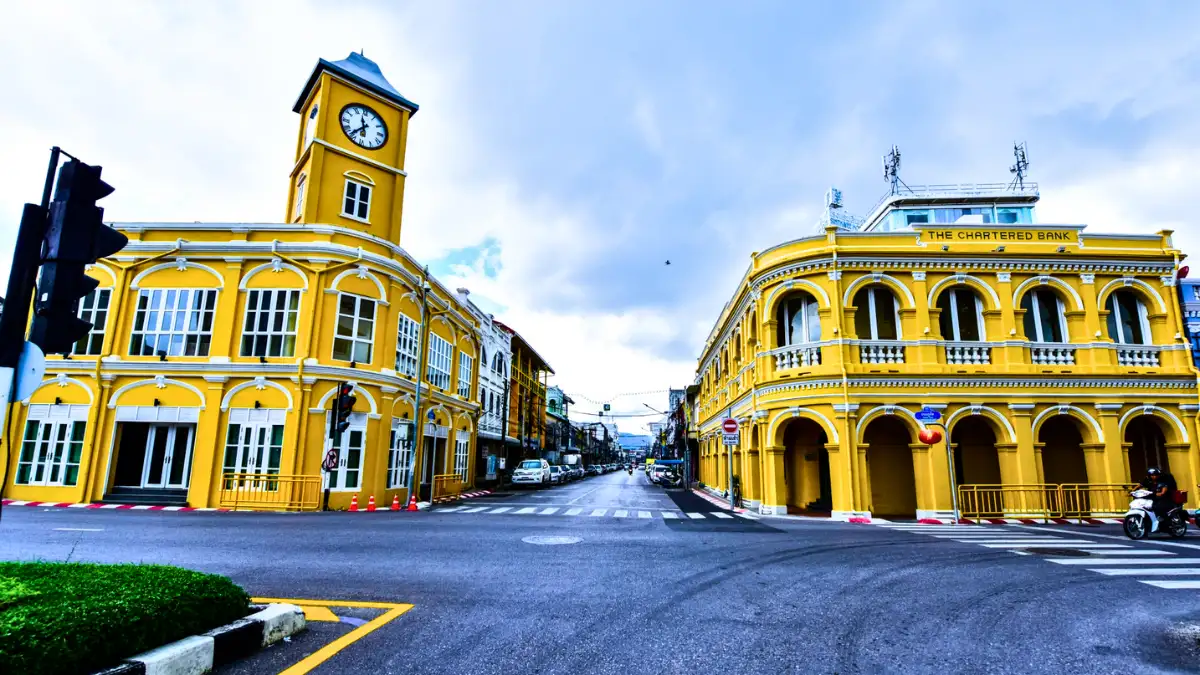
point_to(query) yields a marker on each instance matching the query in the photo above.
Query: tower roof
(362, 71)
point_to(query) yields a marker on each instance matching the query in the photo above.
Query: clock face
(363, 126)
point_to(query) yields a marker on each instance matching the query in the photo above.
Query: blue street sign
(926, 415)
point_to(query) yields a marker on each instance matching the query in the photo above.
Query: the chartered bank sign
(999, 235)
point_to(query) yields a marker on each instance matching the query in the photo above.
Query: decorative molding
(1004, 277)
(1127, 282)
(918, 275)
(1087, 278)
(275, 266)
(180, 264)
(1157, 411)
(1074, 411)
(160, 382)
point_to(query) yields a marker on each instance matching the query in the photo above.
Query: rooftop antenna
(1020, 167)
(891, 169)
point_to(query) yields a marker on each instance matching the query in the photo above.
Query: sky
(565, 150)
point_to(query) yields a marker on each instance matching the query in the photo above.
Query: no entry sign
(730, 429)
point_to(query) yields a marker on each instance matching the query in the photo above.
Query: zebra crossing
(1161, 568)
(588, 512)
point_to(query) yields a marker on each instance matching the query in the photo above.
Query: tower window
(310, 131)
(357, 204)
(299, 207)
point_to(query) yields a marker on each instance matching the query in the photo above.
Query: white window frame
(805, 300)
(465, 363)
(952, 294)
(356, 318)
(873, 315)
(310, 130)
(408, 345)
(275, 303)
(94, 340)
(338, 480)
(164, 318)
(400, 455)
(1115, 312)
(437, 368)
(1035, 307)
(298, 207)
(359, 202)
(46, 455)
(462, 454)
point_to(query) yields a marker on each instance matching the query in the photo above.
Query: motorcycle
(670, 479)
(1141, 522)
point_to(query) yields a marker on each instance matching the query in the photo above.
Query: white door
(348, 474)
(253, 447)
(168, 456)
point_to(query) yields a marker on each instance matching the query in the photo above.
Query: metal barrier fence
(447, 485)
(270, 492)
(1044, 501)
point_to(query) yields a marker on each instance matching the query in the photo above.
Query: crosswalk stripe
(476, 509)
(501, 509)
(1125, 561)
(1080, 546)
(747, 516)
(643, 514)
(1031, 540)
(527, 509)
(670, 515)
(599, 512)
(698, 516)
(1172, 583)
(452, 509)
(620, 513)
(573, 512)
(1162, 571)
(721, 515)
(1130, 551)
(549, 511)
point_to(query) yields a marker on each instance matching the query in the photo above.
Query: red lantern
(1183, 272)
(929, 436)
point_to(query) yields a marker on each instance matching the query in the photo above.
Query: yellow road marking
(323, 654)
(315, 613)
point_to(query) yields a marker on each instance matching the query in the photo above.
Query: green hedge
(58, 618)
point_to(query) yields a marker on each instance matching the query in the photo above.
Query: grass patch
(58, 618)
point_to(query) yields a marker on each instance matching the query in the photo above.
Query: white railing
(796, 356)
(881, 351)
(960, 190)
(968, 353)
(1137, 355)
(1052, 354)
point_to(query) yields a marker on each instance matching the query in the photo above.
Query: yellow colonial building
(218, 347)
(1054, 356)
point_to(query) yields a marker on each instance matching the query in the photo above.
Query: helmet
(1153, 471)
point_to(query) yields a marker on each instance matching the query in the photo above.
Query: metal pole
(950, 469)
(336, 448)
(417, 424)
(729, 453)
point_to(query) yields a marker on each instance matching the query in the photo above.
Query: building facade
(558, 429)
(495, 363)
(1054, 356)
(526, 399)
(218, 348)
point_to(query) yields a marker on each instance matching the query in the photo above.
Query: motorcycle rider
(1163, 486)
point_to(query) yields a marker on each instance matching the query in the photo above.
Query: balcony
(881, 351)
(968, 353)
(1138, 356)
(1051, 354)
(796, 356)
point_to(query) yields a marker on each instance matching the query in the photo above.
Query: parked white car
(532, 472)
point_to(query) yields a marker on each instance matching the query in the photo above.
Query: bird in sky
(668, 262)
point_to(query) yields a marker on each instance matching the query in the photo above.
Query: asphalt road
(674, 595)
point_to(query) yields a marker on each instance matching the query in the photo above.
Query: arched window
(962, 315)
(877, 317)
(310, 128)
(1044, 319)
(798, 320)
(1127, 322)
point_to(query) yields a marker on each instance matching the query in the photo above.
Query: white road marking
(79, 529)
(697, 516)
(747, 516)
(1162, 571)
(1120, 538)
(452, 509)
(1173, 584)
(620, 513)
(1129, 551)
(476, 509)
(1026, 541)
(670, 515)
(573, 512)
(1125, 561)
(599, 512)
(721, 515)
(643, 514)
(1079, 546)
(502, 509)
(549, 511)
(527, 509)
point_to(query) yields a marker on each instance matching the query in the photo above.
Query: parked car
(532, 472)
(558, 474)
(593, 470)
(576, 471)
(656, 472)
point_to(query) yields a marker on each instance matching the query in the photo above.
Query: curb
(716, 502)
(465, 495)
(199, 654)
(123, 507)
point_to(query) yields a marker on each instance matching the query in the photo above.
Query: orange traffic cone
(396, 503)
(371, 504)
(412, 503)
(354, 503)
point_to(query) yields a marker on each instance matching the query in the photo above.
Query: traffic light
(345, 406)
(76, 236)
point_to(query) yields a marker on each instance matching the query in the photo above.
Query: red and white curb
(464, 495)
(123, 507)
(996, 521)
(716, 502)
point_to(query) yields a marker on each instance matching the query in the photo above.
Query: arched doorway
(1147, 446)
(975, 459)
(806, 467)
(890, 468)
(1062, 451)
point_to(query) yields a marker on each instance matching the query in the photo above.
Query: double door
(348, 473)
(168, 457)
(253, 448)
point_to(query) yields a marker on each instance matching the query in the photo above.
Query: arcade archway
(890, 468)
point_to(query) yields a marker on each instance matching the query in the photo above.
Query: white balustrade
(797, 356)
(968, 353)
(881, 351)
(1052, 354)
(1138, 356)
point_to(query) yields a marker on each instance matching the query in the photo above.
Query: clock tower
(349, 168)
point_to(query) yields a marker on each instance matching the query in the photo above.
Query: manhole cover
(551, 540)
(1057, 552)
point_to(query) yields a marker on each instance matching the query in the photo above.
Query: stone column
(1014, 357)
(1023, 464)
(207, 467)
(1188, 411)
(927, 352)
(1112, 453)
(845, 477)
(1090, 327)
(774, 498)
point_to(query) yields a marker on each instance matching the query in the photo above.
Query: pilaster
(1112, 458)
(1023, 464)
